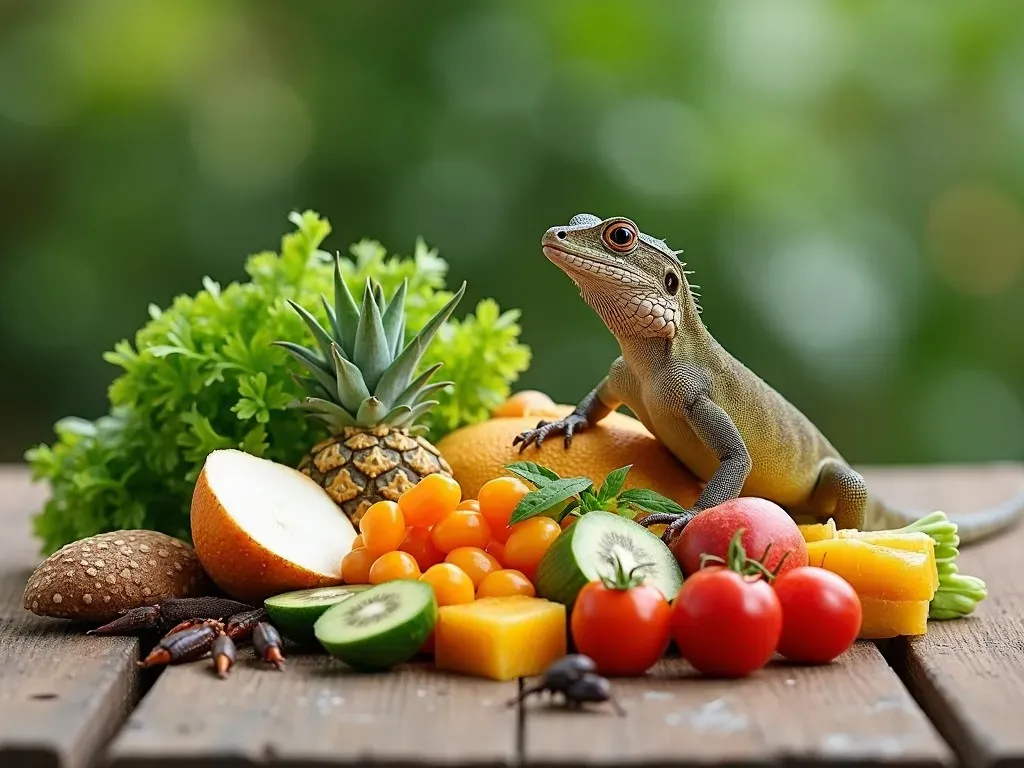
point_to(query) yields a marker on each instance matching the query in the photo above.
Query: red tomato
(763, 523)
(726, 624)
(624, 630)
(821, 615)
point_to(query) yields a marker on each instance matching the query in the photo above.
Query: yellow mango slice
(916, 541)
(892, 618)
(819, 531)
(885, 573)
(500, 638)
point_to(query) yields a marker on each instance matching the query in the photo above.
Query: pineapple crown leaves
(361, 375)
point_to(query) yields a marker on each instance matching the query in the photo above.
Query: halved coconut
(261, 528)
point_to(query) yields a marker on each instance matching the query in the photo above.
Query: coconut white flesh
(284, 511)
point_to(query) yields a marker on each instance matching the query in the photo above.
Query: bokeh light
(846, 179)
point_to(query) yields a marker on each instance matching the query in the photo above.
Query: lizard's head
(635, 282)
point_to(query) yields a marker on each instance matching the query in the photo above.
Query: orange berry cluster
(465, 549)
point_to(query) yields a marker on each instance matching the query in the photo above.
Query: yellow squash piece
(892, 618)
(819, 531)
(874, 571)
(916, 541)
(500, 638)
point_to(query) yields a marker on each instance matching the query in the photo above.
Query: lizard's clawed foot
(571, 424)
(675, 523)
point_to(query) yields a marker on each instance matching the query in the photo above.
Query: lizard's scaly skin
(715, 415)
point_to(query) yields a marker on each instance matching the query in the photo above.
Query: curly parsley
(202, 374)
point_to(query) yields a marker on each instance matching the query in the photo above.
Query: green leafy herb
(533, 473)
(644, 500)
(203, 374)
(553, 492)
(548, 496)
(613, 484)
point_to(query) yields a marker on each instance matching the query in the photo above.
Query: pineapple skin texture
(359, 467)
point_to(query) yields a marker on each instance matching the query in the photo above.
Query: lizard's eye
(671, 282)
(620, 236)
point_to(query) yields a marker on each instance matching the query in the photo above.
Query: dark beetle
(575, 678)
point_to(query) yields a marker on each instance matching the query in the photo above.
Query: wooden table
(953, 696)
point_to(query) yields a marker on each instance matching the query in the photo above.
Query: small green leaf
(371, 353)
(409, 395)
(393, 318)
(613, 483)
(370, 413)
(543, 499)
(533, 473)
(346, 312)
(348, 380)
(570, 509)
(338, 415)
(245, 408)
(648, 501)
(323, 339)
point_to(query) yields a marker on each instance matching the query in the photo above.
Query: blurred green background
(846, 178)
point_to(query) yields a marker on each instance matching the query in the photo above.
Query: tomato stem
(736, 559)
(622, 580)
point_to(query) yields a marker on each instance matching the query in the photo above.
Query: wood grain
(317, 712)
(968, 674)
(62, 694)
(854, 711)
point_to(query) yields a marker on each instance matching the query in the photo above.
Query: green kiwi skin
(387, 648)
(560, 577)
(555, 581)
(296, 622)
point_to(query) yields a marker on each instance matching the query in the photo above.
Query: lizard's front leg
(841, 494)
(598, 403)
(713, 426)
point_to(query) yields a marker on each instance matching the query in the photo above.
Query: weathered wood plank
(317, 712)
(854, 711)
(969, 674)
(62, 694)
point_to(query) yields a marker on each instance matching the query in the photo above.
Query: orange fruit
(392, 566)
(527, 402)
(505, 583)
(479, 452)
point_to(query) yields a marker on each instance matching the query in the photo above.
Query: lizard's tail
(970, 528)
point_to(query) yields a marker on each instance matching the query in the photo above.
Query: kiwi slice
(588, 548)
(295, 613)
(380, 627)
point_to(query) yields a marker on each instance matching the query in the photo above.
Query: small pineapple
(363, 385)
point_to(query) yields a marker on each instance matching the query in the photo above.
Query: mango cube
(818, 531)
(916, 541)
(500, 638)
(875, 571)
(892, 618)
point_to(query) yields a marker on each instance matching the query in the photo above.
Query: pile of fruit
(463, 548)
(379, 546)
(504, 585)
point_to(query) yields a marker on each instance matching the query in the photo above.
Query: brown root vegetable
(101, 577)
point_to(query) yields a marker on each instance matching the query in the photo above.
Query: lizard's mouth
(590, 267)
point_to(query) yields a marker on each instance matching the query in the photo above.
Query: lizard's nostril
(560, 234)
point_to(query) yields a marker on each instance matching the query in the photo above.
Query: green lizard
(730, 428)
